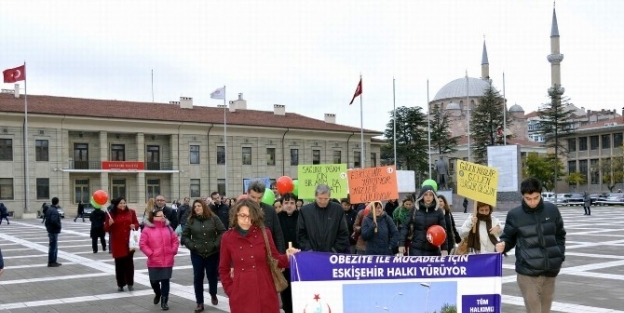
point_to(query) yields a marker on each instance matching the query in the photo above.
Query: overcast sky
(308, 55)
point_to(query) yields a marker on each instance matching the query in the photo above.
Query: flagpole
(394, 119)
(362, 158)
(428, 132)
(468, 117)
(504, 113)
(152, 85)
(26, 165)
(225, 139)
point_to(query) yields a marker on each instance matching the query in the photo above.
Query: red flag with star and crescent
(13, 75)
(358, 91)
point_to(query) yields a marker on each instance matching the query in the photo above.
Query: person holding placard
(379, 231)
(481, 231)
(423, 216)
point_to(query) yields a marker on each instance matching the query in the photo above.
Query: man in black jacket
(322, 225)
(288, 221)
(255, 192)
(170, 213)
(536, 229)
(183, 212)
(220, 209)
(53, 226)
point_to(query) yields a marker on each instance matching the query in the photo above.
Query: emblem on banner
(317, 306)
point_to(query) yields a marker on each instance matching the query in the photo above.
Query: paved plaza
(591, 281)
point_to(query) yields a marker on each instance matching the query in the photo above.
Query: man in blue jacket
(53, 226)
(536, 229)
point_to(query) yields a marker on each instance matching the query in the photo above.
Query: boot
(156, 299)
(163, 303)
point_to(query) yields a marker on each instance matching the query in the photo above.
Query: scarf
(400, 215)
(473, 237)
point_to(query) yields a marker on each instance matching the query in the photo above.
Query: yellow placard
(477, 182)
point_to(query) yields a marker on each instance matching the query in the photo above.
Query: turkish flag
(358, 91)
(15, 74)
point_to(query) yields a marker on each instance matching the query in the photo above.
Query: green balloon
(269, 196)
(432, 183)
(95, 204)
(296, 189)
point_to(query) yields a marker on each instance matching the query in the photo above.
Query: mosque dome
(452, 106)
(457, 89)
(516, 108)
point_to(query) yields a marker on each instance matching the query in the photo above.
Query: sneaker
(55, 264)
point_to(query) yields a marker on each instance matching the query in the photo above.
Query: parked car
(60, 210)
(575, 199)
(613, 199)
(88, 209)
(596, 197)
(548, 197)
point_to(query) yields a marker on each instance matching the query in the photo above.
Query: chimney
(174, 102)
(232, 106)
(221, 106)
(330, 118)
(17, 91)
(186, 102)
(238, 104)
(279, 109)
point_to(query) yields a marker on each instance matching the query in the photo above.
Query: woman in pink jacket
(160, 244)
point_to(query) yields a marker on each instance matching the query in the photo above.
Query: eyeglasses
(243, 216)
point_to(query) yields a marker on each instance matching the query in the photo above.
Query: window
(6, 188)
(220, 154)
(571, 144)
(617, 140)
(595, 170)
(593, 143)
(221, 186)
(374, 159)
(43, 188)
(246, 155)
(583, 167)
(270, 156)
(337, 157)
(6, 149)
(153, 188)
(195, 188)
(81, 156)
(571, 167)
(316, 156)
(118, 187)
(606, 141)
(81, 191)
(194, 154)
(294, 157)
(118, 152)
(41, 151)
(357, 158)
(582, 143)
(153, 158)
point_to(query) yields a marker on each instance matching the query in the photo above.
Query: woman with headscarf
(420, 219)
(379, 231)
(486, 227)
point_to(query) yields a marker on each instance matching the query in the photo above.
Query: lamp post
(428, 286)
(392, 299)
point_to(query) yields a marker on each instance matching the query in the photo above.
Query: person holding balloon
(425, 226)
(119, 222)
(379, 231)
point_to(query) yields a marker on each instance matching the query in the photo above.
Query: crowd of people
(232, 240)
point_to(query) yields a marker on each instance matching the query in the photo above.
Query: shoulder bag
(278, 277)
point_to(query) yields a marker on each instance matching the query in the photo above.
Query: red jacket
(120, 231)
(159, 243)
(250, 288)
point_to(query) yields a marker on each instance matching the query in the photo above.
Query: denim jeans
(53, 250)
(205, 266)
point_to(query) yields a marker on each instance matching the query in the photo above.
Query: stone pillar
(140, 144)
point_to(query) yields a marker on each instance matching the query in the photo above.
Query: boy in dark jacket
(53, 226)
(97, 219)
(536, 229)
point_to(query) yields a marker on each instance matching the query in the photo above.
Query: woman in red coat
(119, 223)
(243, 266)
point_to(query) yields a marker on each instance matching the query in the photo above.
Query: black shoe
(163, 303)
(94, 251)
(199, 308)
(130, 288)
(103, 248)
(214, 300)
(120, 289)
(55, 264)
(156, 298)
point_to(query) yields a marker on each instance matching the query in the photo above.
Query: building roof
(554, 29)
(50, 105)
(484, 57)
(532, 114)
(463, 140)
(457, 89)
(516, 108)
(602, 124)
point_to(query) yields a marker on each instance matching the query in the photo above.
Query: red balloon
(100, 197)
(436, 235)
(242, 197)
(285, 185)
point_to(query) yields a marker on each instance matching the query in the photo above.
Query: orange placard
(373, 184)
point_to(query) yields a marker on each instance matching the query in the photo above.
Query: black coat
(97, 219)
(420, 219)
(323, 229)
(289, 227)
(172, 216)
(452, 235)
(223, 212)
(539, 237)
(183, 214)
(271, 221)
(53, 220)
(382, 241)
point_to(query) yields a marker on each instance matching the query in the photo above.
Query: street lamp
(428, 286)
(392, 299)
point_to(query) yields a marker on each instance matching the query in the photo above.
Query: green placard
(333, 175)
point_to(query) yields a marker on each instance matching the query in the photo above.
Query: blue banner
(247, 181)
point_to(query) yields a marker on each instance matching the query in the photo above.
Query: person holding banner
(379, 231)
(119, 222)
(243, 264)
(423, 216)
(535, 229)
(486, 230)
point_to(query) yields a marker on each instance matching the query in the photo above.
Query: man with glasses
(322, 225)
(255, 192)
(170, 214)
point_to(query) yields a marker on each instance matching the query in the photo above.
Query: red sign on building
(123, 165)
